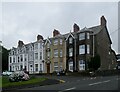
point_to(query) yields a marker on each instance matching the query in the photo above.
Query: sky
(25, 20)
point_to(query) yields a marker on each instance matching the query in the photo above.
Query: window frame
(81, 36)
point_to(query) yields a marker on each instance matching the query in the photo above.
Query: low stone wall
(97, 73)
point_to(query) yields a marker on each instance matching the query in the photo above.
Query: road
(81, 83)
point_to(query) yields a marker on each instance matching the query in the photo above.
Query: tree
(4, 54)
(94, 63)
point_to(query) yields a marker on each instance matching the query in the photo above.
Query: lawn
(6, 83)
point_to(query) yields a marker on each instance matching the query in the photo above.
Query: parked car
(62, 72)
(7, 73)
(18, 76)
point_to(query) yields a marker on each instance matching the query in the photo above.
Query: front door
(71, 66)
(48, 68)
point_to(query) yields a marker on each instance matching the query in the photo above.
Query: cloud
(25, 20)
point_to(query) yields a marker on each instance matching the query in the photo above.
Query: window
(61, 53)
(61, 65)
(71, 66)
(55, 63)
(13, 53)
(40, 55)
(55, 41)
(40, 45)
(48, 45)
(70, 40)
(81, 65)
(36, 67)
(88, 49)
(55, 66)
(48, 54)
(70, 52)
(55, 53)
(60, 41)
(10, 60)
(36, 55)
(25, 58)
(81, 36)
(21, 67)
(21, 58)
(40, 67)
(82, 49)
(36, 46)
(56, 69)
(14, 59)
(18, 58)
(88, 35)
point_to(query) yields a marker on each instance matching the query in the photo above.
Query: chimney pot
(103, 21)
(75, 27)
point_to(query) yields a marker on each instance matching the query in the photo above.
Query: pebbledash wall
(70, 52)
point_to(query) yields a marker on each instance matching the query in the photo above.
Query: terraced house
(55, 56)
(27, 56)
(89, 42)
(71, 51)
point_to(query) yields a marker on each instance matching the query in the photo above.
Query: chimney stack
(39, 37)
(75, 27)
(55, 32)
(103, 21)
(20, 43)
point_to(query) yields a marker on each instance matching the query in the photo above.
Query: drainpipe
(93, 44)
(75, 53)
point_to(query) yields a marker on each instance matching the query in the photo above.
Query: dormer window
(82, 36)
(70, 40)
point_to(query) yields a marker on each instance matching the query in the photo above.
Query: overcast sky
(25, 20)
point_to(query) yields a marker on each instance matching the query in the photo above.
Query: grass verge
(6, 83)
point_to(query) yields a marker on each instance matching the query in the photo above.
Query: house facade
(83, 44)
(55, 53)
(27, 57)
(71, 51)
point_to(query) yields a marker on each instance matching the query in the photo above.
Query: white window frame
(82, 36)
(81, 49)
(40, 55)
(70, 40)
(36, 55)
(88, 35)
(36, 67)
(55, 66)
(71, 66)
(55, 52)
(81, 65)
(61, 53)
(36, 46)
(61, 41)
(40, 67)
(55, 41)
(70, 52)
(88, 49)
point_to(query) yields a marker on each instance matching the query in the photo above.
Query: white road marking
(67, 89)
(98, 82)
(70, 88)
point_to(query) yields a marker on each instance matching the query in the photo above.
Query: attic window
(70, 40)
